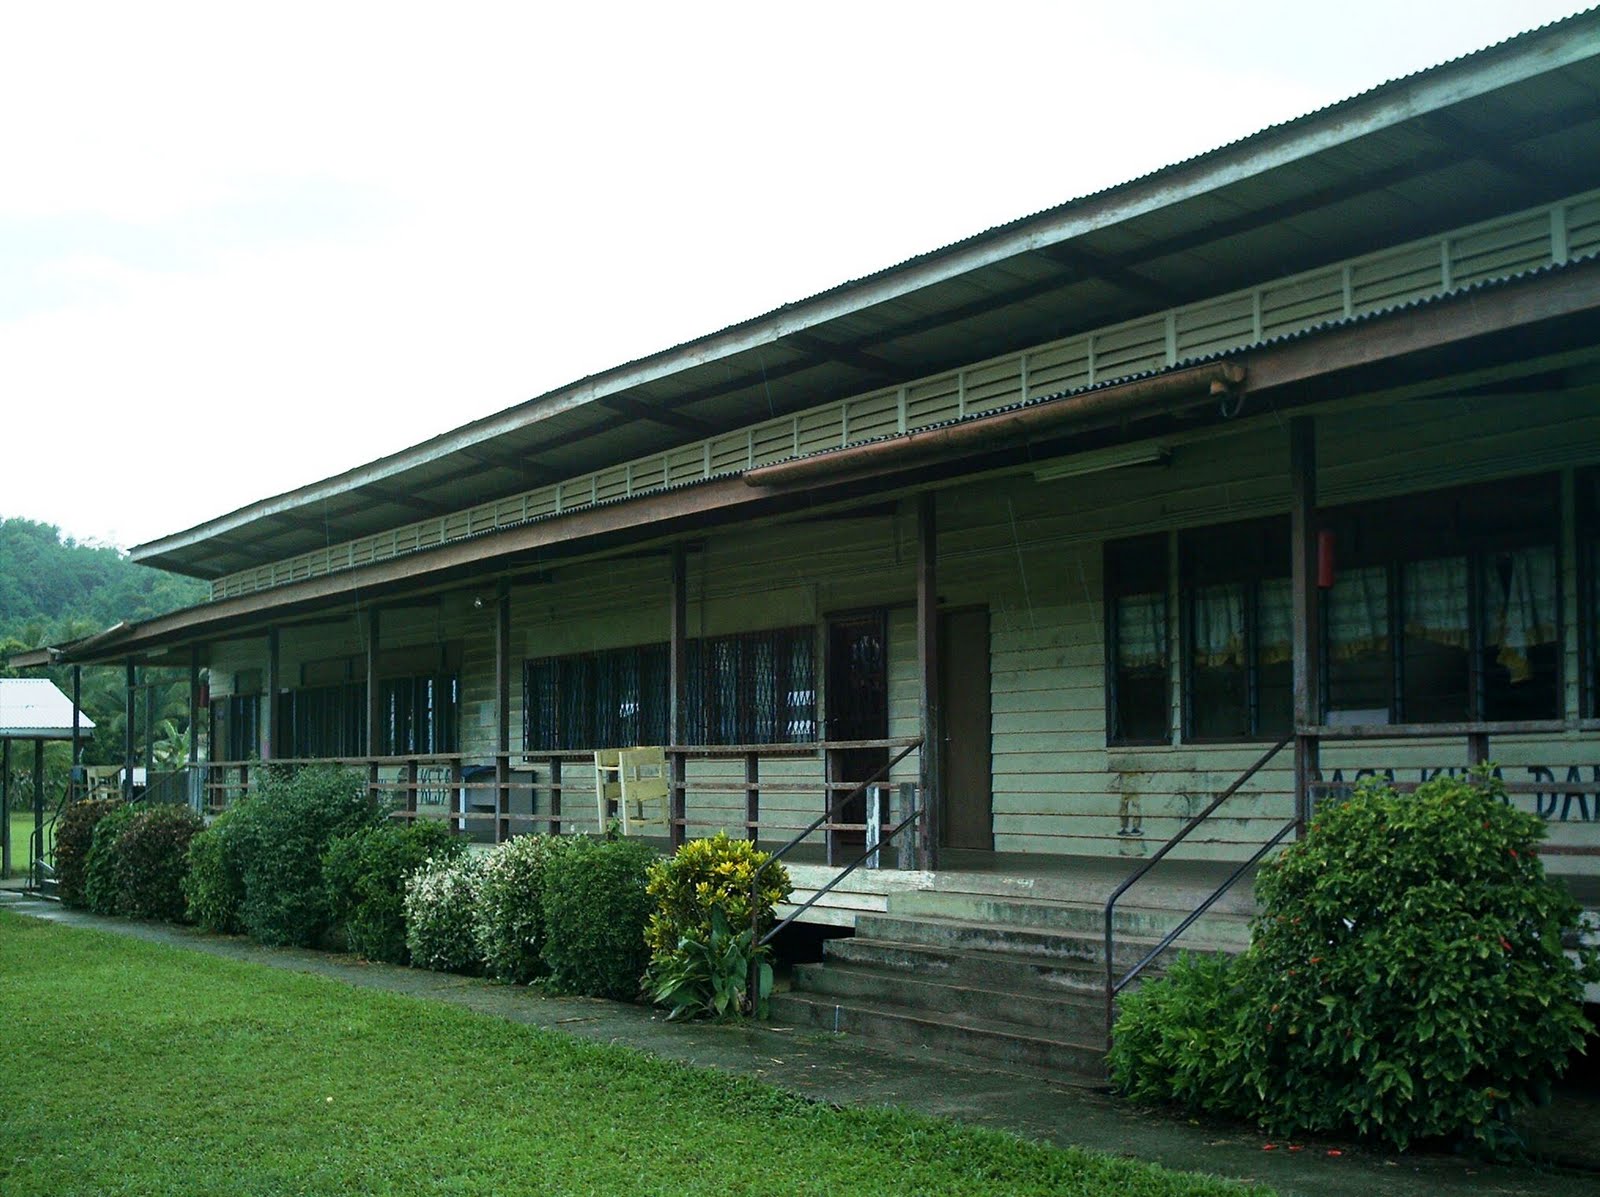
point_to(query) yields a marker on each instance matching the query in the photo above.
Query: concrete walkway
(841, 1071)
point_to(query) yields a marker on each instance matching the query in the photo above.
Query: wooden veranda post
(5, 809)
(374, 736)
(77, 730)
(37, 865)
(194, 703)
(1307, 610)
(929, 721)
(502, 712)
(127, 733)
(677, 799)
(269, 741)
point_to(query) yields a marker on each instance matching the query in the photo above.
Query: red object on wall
(203, 695)
(1324, 559)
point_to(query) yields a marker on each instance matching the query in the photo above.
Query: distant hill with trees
(54, 589)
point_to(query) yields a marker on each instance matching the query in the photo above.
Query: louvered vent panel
(1302, 303)
(511, 511)
(730, 452)
(405, 539)
(1220, 324)
(686, 463)
(933, 401)
(481, 519)
(994, 385)
(647, 474)
(1063, 367)
(611, 484)
(454, 525)
(542, 502)
(1503, 250)
(1393, 278)
(576, 493)
(1130, 349)
(1583, 228)
(774, 441)
(822, 428)
(872, 416)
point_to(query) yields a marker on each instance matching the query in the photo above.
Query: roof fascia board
(1451, 320)
(1389, 104)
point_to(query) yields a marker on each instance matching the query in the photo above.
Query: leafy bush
(284, 831)
(214, 885)
(149, 860)
(595, 909)
(365, 873)
(709, 973)
(700, 930)
(510, 924)
(101, 885)
(1180, 1038)
(1406, 979)
(441, 906)
(74, 833)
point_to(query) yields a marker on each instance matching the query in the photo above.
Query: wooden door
(967, 813)
(858, 709)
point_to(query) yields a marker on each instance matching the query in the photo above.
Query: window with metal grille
(611, 699)
(419, 715)
(750, 688)
(323, 721)
(236, 728)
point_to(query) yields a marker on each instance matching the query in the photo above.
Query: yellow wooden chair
(646, 791)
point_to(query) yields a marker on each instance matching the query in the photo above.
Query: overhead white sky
(244, 247)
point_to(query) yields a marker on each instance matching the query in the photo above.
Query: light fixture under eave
(1105, 459)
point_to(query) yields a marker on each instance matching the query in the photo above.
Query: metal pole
(194, 703)
(374, 732)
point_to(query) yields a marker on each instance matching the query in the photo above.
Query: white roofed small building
(33, 711)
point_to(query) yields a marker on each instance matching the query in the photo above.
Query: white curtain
(1358, 613)
(1219, 638)
(1436, 601)
(1520, 606)
(1275, 621)
(1142, 631)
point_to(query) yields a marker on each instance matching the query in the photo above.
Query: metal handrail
(37, 838)
(829, 811)
(1115, 986)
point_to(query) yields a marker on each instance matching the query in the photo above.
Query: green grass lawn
(134, 1068)
(21, 830)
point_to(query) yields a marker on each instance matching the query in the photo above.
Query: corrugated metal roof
(36, 709)
(1429, 150)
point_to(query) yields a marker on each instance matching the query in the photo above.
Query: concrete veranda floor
(842, 1071)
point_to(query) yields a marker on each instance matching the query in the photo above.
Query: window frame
(1117, 584)
(1251, 575)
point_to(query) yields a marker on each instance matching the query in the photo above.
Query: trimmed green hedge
(366, 872)
(595, 909)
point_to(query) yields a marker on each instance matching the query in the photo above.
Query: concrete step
(959, 1035)
(1014, 971)
(1013, 940)
(1077, 1017)
(1230, 929)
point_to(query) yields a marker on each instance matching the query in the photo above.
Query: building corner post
(502, 712)
(930, 725)
(677, 794)
(1307, 612)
